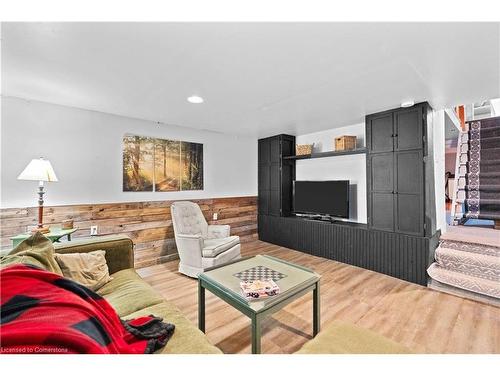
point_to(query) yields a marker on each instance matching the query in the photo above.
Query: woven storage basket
(344, 143)
(303, 149)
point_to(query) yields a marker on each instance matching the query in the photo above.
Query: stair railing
(458, 199)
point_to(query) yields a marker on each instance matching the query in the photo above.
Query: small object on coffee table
(67, 224)
(258, 289)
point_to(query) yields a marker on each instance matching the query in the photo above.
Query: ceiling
(257, 79)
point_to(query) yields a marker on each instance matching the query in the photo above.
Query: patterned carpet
(473, 267)
(483, 170)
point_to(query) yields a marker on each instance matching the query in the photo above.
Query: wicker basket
(344, 143)
(303, 149)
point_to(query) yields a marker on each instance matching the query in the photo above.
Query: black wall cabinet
(276, 175)
(395, 170)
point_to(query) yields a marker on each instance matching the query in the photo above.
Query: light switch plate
(215, 215)
(93, 230)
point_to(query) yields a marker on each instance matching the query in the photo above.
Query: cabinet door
(275, 202)
(264, 177)
(408, 126)
(275, 176)
(275, 149)
(382, 172)
(382, 211)
(409, 214)
(264, 151)
(409, 192)
(263, 207)
(381, 191)
(380, 133)
(287, 173)
(409, 172)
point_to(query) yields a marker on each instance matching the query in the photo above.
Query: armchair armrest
(190, 248)
(119, 250)
(218, 231)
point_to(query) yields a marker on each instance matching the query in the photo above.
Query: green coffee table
(54, 235)
(224, 281)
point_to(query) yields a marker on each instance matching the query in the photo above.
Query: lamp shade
(38, 170)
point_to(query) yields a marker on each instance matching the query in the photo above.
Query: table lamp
(39, 170)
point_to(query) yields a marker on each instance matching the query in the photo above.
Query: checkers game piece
(259, 273)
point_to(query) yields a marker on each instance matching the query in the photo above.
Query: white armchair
(200, 245)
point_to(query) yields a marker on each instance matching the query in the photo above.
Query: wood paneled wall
(148, 224)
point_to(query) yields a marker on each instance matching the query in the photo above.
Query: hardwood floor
(424, 320)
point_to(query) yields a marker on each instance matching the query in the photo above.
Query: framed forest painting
(154, 164)
(138, 158)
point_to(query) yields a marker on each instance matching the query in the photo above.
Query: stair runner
(468, 266)
(483, 170)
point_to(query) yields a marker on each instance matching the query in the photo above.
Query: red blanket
(42, 312)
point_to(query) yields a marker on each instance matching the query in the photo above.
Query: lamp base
(42, 230)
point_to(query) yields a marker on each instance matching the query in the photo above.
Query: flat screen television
(329, 198)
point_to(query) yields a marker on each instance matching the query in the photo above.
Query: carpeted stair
(483, 170)
(468, 266)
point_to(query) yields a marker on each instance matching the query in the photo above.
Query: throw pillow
(88, 269)
(36, 250)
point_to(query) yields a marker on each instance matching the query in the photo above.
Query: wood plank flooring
(422, 319)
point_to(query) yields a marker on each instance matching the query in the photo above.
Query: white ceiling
(257, 79)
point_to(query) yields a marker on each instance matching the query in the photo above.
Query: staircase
(477, 175)
(469, 267)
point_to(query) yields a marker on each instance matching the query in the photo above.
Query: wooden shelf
(326, 154)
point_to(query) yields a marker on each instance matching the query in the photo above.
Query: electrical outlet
(215, 215)
(93, 230)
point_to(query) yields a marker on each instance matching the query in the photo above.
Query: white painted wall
(348, 167)
(438, 129)
(85, 149)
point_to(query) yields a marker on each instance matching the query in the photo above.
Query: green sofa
(131, 296)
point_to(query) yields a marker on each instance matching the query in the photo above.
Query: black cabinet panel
(274, 203)
(409, 217)
(380, 133)
(263, 202)
(264, 151)
(275, 176)
(382, 211)
(264, 177)
(408, 128)
(288, 175)
(409, 172)
(275, 150)
(382, 172)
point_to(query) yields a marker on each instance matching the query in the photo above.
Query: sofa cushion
(345, 338)
(214, 246)
(128, 292)
(187, 339)
(88, 269)
(36, 250)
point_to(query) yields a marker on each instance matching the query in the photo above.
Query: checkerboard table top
(259, 273)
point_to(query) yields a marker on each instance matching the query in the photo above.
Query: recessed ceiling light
(195, 99)
(407, 103)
